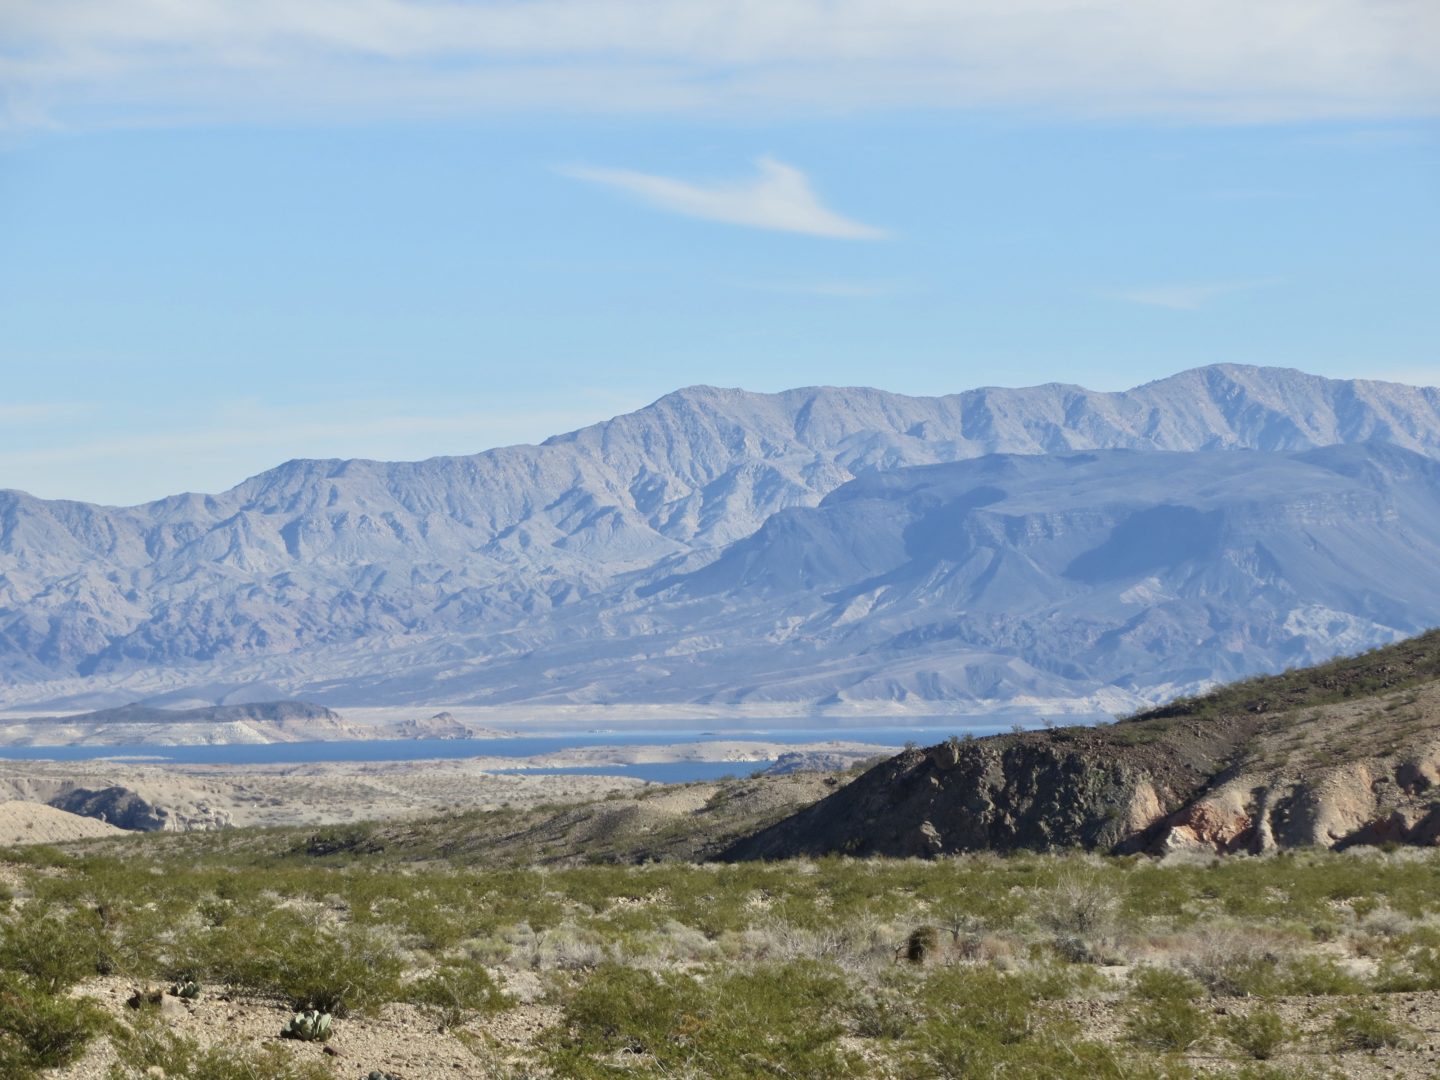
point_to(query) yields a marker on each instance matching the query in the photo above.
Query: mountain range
(818, 551)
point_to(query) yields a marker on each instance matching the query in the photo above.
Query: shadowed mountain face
(815, 548)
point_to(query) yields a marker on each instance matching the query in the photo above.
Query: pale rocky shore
(158, 795)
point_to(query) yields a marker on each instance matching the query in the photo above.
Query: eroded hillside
(1337, 755)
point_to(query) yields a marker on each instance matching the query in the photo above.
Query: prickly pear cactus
(186, 990)
(309, 1026)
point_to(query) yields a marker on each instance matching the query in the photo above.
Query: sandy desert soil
(35, 823)
(405, 1040)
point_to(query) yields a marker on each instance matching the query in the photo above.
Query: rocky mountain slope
(1341, 754)
(256, 722)
(366, 580)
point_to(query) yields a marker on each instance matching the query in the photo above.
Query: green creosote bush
(334, 970)
(1419, 970)
(453, 990)
(1318, 976)
(980, 1024)
(1259, 1033)
(150, 1046)
(358, 839)
(973, 1018)
(1162, 1014)
(775, 1021)
(56, 951)
(40, 1030)
(887, 1011)
(1362, 1027)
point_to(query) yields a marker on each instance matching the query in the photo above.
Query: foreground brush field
(474, 964)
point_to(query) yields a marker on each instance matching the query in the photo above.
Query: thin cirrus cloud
(1221, 61)
(780, 198)
(1191, 296)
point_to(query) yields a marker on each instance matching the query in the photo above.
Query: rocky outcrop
(1038, 791)
(1352, 757)
(1012, 793)
(125, 809)
(117, 806)
(1373, 801)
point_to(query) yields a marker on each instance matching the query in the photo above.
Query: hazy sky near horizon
(234, 232)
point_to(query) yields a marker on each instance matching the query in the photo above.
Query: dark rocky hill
(1340, 754)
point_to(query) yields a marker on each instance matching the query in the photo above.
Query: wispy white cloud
(1222, 60)
(779, 198)
(1190, 296)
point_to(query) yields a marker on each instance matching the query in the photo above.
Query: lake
(518, 746)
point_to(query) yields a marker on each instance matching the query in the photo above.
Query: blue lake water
(524, 745)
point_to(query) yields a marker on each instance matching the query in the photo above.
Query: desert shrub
(1050, 1056)
(883, 1013)
(40, 1030)
(1363, 1027)
(1082, 905)
(54, 950)
(1162, 1013)
(455, 989)
(358, 839)
(1318, 976)
(982, 1000)
(979, 1023)
(39, 855)
(149, 1047)
(1419, 970)
(1259, 1033)
(309, 965)
(975, 1019)
(858, 945)
(774, 1021)
(1234, 962)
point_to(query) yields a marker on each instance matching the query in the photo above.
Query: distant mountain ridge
(359, 577)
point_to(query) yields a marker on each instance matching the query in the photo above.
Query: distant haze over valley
(822, 551)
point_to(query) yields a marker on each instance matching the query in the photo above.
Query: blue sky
(395, 229)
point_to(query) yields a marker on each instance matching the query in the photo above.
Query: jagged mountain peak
(317, 556)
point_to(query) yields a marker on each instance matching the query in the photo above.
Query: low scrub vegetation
(979, 966)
